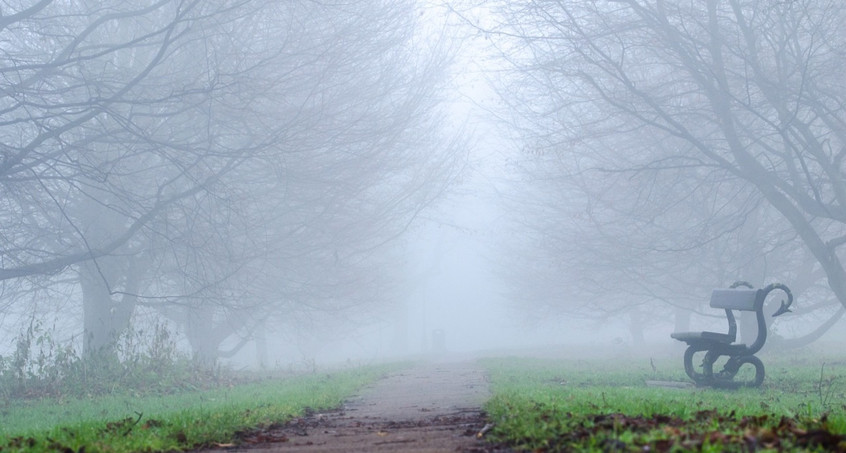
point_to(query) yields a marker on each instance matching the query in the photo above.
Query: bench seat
(708, 336)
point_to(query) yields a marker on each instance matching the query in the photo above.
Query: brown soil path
(432, 407)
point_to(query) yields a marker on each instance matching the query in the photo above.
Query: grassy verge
(174, 422)
(577, 405)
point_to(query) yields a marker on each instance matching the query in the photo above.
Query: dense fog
(298, 184)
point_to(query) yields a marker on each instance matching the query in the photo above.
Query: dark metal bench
(715, 344)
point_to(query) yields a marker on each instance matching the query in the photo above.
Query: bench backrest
(735, 299)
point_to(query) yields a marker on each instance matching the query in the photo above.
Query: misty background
(290, 184)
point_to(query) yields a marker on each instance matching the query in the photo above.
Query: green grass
(171, 422)
(605, 405)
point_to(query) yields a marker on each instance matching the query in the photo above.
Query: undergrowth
(141, 362)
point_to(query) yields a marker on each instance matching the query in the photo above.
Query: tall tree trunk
(261, 344)
(206, 334)
(636, 328)
(104, 319)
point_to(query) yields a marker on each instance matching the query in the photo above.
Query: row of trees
(674, 147)
(231, 165)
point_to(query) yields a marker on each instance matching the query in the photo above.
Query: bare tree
(101, 136)
(737, 102)
(191, 154)
(362, 156)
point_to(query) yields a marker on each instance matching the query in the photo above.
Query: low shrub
(141, 362)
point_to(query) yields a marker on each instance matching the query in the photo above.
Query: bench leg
(725, 378)
(698, 378)
(704, 375)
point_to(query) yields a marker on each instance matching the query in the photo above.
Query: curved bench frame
(716, 344)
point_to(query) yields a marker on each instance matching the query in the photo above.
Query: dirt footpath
(433, 407)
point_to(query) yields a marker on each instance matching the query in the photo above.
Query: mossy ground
(606, 405)
(191, 419)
